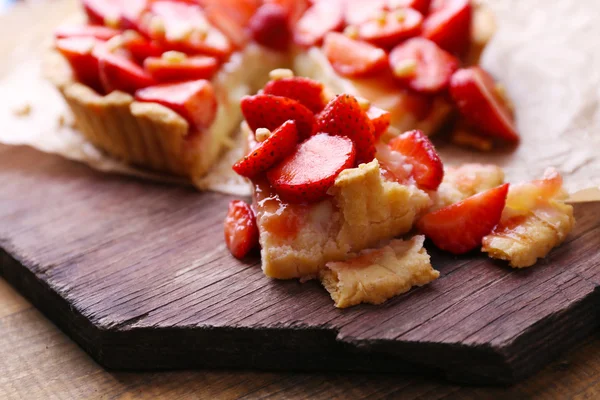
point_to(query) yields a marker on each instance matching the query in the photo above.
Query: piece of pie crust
(535, 220)
(376, 275)
(297, 240)
(154, 136)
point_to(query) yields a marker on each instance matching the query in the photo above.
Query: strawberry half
(461, 227)
(422, 66)
(140, 47)
(305, 90)
(184, 27)
(278, 146)
(117, 72)
(241, 232)
(353, 58)
(267, 111)
(189, 68)
(231, 17)
(95, 31)
(474, 92)
(79, 53)
(427, 168)
(320, 18)
(194, 100)
(343, 116)
(394, 27)
(449, 25)
(380, 119)
(307, 174)
(421, 6)
(270, 27)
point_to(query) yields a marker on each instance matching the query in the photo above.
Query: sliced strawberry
(461, 227)
(307, 174)
(103, 12)
(131, 12)
(343, 116)
(79, 53)
(293, 8)
(322, 17)
(194, 100)
(359, 11)
(184, 27)
(449, 25)
(270, 27)
(473, 90)
(187, 69)
(278, 146)
(421, 6)
(96, 31)
(427, 168)
(431, 67)
(231, 17)
(305, 90)
(267, 111)
(241, 232)
(380, 119)
(394, 27)
(117, 72)
(353, 58)
(140, 47)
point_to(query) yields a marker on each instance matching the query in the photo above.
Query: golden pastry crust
(153, 136)
(298, 240)
(466, 181)
(535, 220)
(376, 275)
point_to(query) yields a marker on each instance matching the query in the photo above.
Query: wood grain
(138, 275)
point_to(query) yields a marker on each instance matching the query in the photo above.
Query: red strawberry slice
(267, 111)
(278, 146)
(359, 11)
(322, 17)
(184, 27)
(431, 69)
(189, 68)
(103, 12)
(131, 12)
(449, 25)
(427, 168)
(140, 47)
(231, 17)
(79, 53)
(473, 90)
(343, 116)
(394, 27)
(460, 227)
(305, 90)
(421, 6)
(194, 100)
(117, 72)
(270, 27)
(353, 58)
(241, 232)
(307, 174)
(293, 8)
(96, 31)
(380, 119)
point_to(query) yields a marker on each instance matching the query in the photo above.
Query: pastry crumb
(22, 110)
(281, 73)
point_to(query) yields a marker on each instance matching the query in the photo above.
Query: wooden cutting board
(138, 275)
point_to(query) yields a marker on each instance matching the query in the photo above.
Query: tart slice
(159, 85)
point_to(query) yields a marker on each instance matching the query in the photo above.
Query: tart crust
(153, 136)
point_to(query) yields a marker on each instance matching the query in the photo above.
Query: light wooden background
(39, 361)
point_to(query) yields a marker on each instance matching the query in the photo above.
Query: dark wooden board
(138, 275)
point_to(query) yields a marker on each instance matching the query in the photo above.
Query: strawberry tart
(157, 83)
(332, 199)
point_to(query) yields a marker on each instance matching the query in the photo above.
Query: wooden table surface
(38, 361)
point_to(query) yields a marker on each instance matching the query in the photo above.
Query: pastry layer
(153, 136)
(376, 275)
(298, 240)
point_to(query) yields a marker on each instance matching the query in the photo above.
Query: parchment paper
(546, 53)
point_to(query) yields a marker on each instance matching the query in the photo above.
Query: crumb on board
(22, 110)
